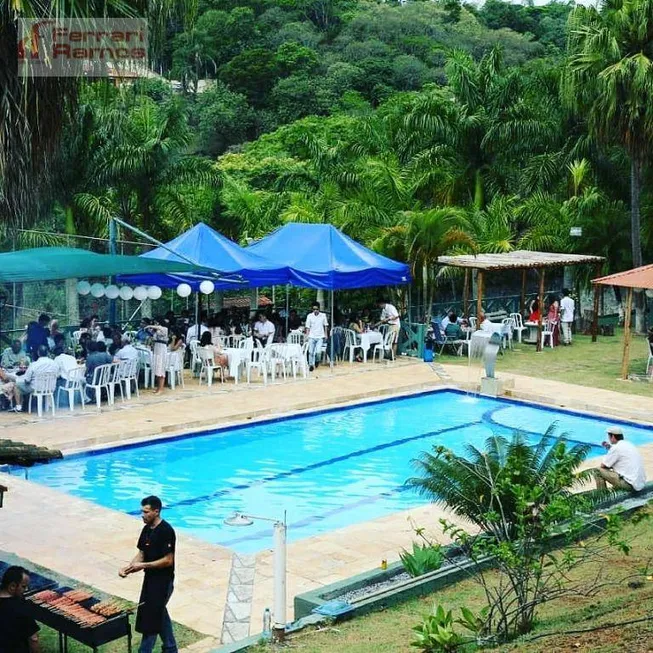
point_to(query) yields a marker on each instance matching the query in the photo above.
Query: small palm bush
(520, 498)
(489, 487)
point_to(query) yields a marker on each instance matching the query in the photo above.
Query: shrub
(424, 558)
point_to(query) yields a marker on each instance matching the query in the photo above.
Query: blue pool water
(327, 470)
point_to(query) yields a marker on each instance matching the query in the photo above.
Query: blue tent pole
(331, 333)
(287, 308)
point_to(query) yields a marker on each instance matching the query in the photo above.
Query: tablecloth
(368, 339)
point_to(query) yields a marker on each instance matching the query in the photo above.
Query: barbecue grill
(75, 617)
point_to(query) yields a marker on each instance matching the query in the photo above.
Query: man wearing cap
(623, 467)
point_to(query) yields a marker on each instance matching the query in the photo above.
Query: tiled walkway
(85, 541)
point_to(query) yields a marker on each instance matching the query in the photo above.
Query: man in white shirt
(42, 365)
(195, 333)
(390, 316)
(317, 325)
(127, 351)
(567, 309)
(64, 362)
(263, 329)
(623, 467)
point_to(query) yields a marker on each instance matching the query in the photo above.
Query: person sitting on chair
(535, 312)
(219, 357)
(453, 330)
(623, 467)
(15, 355)
(263, 329)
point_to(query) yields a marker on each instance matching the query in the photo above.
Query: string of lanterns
(139, 293)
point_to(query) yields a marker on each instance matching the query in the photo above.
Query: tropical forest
(418, 128)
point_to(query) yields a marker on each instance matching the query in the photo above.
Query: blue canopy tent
(320, 256)
(211, 250)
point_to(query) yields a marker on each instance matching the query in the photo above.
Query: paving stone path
(238, 609)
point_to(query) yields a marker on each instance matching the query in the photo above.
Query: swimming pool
(327, 469)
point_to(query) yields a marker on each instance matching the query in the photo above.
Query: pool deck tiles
(90, 543)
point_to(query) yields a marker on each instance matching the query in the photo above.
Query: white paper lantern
(140, 293)
(184, 290)
(154, 292)
(83, 287)
(112, 292)
(126, 293)
(97, 290)
(207, 287)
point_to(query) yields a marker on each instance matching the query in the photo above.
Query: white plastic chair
(519, 324)
(277, 360)
(508, 325)
(649, 361)
(296, 338)
(384, 346)
(233, 340)
(175, 367)
(548, 329)
(129, 375)
(207, 359)
(195, 361)
(473, 322)
(257, 361)
(145, 364)
(74, 382)
(76, 335)
(351, 344)
(113, 381)
(43, 387)
(99, 382)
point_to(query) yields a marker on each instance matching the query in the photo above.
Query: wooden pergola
(637, 278)
(523, 260)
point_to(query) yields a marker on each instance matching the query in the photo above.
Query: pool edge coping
(510, 397)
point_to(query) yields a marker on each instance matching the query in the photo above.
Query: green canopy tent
(52, 263)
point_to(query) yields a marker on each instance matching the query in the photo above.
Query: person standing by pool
(317, 325)
(623, 467)
(159, 353)
(156, 559)
(390, 316)
(567, 309)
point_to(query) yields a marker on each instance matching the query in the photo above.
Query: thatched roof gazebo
(637, 278)
(523, 260)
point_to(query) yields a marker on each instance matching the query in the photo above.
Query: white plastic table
(368, 339)
(236, 356)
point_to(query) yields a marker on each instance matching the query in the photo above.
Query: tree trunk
(636, 167)
(72, 302)
(425, 287)
(478, 190)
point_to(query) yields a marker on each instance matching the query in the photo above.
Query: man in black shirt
(18, 631)
(156, 558)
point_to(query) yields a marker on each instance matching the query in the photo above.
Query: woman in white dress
(159, 353)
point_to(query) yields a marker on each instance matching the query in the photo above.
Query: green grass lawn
(389, 631)
(595, 364)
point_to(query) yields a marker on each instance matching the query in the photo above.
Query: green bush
(424, 558)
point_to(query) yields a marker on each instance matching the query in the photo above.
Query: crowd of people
(558, 316)
(45, 348)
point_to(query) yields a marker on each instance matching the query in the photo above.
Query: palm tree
(430, 234)
(485, 487)
(609, 78)
(34, 110)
